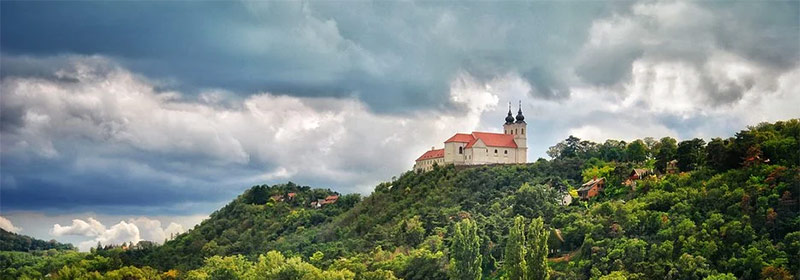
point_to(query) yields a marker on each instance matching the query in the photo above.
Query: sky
(131, 121)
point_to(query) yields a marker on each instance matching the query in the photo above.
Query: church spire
(509, 118)
(520, 117)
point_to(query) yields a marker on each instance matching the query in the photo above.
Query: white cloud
(117, 117)
(8, 226)
(132, 230)
(79, 227)
(151, 229)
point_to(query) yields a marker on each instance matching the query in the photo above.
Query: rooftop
(438, 153)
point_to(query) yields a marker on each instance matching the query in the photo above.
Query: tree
(536, 255)
(717, 155)
(666, 150)
(612, 150)
(514, 260)
(535, 200)
(636, 151)
(465, 252)
(690, 154)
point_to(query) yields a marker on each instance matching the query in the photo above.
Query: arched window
(495, 151)
(506, 151)
(460, 150)
(523, 131)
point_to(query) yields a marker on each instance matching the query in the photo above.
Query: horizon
(134, 120)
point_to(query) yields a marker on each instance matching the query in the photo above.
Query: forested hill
(10, 241)
(727, 209)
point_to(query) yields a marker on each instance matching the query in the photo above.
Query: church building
(474, 148)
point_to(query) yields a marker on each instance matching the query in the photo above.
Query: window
(460, 150)
(506, 151)
(516, 130)
(523, 131)
(495, 151)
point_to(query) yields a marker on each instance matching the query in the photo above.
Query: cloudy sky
(130, 121)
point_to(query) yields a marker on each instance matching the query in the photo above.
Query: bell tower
(516, 126)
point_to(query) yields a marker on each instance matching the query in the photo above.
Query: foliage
(731, 214)
(465, 251)
(10, 241)
(514, 262)
(536, 255)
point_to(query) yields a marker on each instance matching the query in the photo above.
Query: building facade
(474, 148)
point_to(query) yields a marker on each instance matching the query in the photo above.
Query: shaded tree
(690, 154)
(636, 151)
(666, 150)
(536, 255)
(465, 251)
(514, 260)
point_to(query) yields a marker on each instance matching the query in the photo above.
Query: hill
(10, 241)
(727, 209)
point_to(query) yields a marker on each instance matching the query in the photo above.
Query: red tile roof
(432, 154)
(494, 139)
(461, 137)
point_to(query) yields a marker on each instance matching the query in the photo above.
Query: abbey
(481, 147)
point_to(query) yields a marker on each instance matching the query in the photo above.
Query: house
(277, 198)
(328, 200)
(637, 174)
(672, 166)
(592, 188)
(475, 148)
(291, 195)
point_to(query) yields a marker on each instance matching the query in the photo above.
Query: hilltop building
(508, 147)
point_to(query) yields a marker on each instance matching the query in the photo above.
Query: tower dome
(509, 118)
(520, 117)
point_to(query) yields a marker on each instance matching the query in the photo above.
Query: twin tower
(516, 125)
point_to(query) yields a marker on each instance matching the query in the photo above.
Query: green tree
(666, 150)
(612, 150)
(636, 151)
(465, 252)
(717, 155)
(536, 255)
(514, 261)
(690, 154)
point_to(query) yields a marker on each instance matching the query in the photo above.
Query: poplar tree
(465, 252)
(514, 260)
(536, 255)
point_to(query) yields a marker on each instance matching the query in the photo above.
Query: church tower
(516, 126)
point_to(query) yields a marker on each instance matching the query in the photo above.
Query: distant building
(508, 147)
(592, 188)
(672, 166)
(637, 174)
(328, 200)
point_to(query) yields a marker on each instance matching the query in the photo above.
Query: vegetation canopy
(722, 209)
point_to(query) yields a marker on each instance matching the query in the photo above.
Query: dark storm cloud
(395, 56)
(134, 106)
